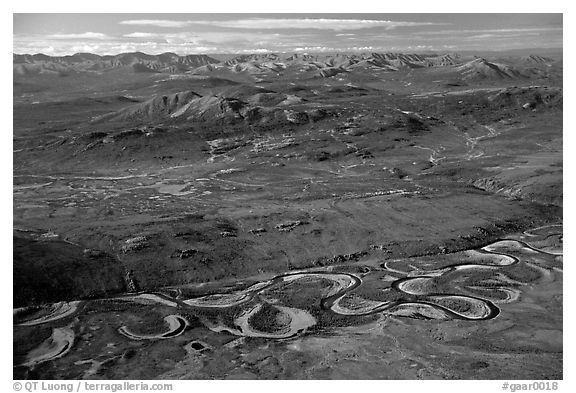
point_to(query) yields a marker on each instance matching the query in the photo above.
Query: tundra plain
(288, 216)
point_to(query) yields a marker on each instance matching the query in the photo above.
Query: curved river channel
(425, 288)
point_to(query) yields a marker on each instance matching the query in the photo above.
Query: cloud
(109, 48)
(250, 35)
(74, 36)
(501, 36)
(139, 34)
(164, 37)
(312, 23)
(283, 23)
(85, 48)
(211, 38)
(156, 22)
(314, 49)
(497, 31)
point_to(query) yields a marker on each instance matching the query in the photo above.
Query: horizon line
(256, 52)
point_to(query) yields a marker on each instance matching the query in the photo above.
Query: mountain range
(320, 65)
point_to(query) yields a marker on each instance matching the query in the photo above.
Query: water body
(437, 293)
(176, 326)
(418, 285)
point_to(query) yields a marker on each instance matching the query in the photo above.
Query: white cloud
(314, 49)
(141, 35)
(309, 23)
(63, 47)
(488, 31)
(88, 35)
(165, 37)
(85, 48)
(205, 49)
(362, 48)
(501, 36)
(156, 22)
(282, 23)
(210, 38)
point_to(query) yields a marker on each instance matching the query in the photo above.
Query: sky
(66, 33)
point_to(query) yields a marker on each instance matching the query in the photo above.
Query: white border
(297, 6)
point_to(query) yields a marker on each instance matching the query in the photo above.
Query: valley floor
(395, 230)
